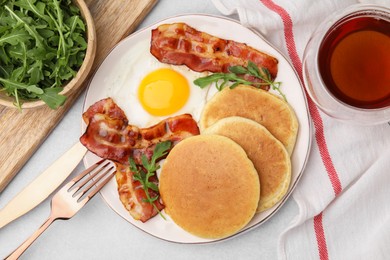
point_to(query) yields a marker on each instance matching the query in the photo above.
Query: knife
(40, 188)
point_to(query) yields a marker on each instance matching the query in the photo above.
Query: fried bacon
(109, 136)
(132, 195)
(180, 44)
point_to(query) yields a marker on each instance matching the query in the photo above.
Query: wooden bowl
(83, 71)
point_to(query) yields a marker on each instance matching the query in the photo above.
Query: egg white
(132, 68)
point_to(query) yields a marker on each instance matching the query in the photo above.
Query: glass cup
(328, 72)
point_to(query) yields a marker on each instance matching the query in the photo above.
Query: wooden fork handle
(23, 247)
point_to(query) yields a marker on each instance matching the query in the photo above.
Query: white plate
(227, 29)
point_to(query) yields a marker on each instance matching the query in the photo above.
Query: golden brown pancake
(261, 106)
(268, 155)
(209, 186)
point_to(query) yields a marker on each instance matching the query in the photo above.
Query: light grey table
(97, 232)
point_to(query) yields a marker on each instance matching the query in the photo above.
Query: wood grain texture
(21, 133)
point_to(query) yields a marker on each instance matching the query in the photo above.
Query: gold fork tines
(71, 198)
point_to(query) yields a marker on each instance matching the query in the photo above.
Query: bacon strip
(132, 195)
(109, 136)
(180, 44)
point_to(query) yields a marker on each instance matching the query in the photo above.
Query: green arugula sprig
(42, 45)
(148, 169)
(222, 79)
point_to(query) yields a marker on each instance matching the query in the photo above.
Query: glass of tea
(346, 65)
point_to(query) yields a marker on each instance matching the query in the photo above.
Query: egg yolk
(163, 92)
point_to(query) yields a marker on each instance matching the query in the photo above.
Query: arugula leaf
(253, 69)
(42, 45)
(238, 70)
(148, 170)
(52, 97)
(75, 22)
(160, 150)
(15, 37)
(13, 84)
(37, 10)
(29, 29)
(234, 76)
(34, 89)
(216, 77)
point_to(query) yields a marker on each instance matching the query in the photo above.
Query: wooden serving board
(21, 133)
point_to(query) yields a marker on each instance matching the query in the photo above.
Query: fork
(71, 198)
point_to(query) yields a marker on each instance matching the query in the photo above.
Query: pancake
(268, 155)
(209, 186)
(259, 105)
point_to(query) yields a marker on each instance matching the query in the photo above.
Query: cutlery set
(67, 201)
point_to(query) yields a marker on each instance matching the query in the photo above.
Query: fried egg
(149, 91)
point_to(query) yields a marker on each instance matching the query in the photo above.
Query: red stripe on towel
(323, 148)
(317, 120)
(321, 241)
